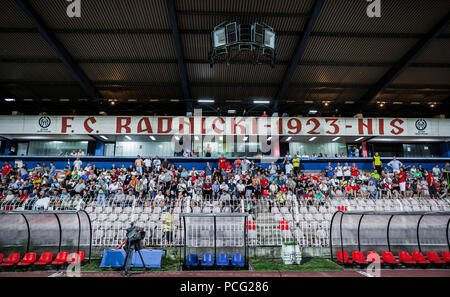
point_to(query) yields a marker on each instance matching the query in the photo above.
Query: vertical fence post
(79, 232)
(342, 240)
(28, 232)
(447, 232)
(185, 238)
(418, 237)
(245, 240)
(387, 233)
(359, 228)
(331, 235)
(215, 238)
(90, 235)
(60, 232)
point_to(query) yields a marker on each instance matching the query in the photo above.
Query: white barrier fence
(306, 224)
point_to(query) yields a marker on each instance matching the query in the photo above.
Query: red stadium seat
(446, 257)
(358, 257)
(373, 256)
(389, 258)
(61, 258)
(419, 258)
(283, 225)
(251, 225)
(12, 260)
(405, 258)
(28, 259)
(433, 257)
(345, 259)
(77, 257)
(45, 259)
(1, 257)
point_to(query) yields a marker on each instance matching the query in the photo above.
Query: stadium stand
(291, 205)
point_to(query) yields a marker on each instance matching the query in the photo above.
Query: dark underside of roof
(125, 51)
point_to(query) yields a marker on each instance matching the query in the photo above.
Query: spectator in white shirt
(77, 164)
(148, 163)
(339, 171)
(347, 172)
(288, 167)
(157, 163)
(114, 187)
(272, 169)
(80, 186)
(395, 164)
(436, 172)
(159, 200)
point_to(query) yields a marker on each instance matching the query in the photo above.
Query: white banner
(118, 125)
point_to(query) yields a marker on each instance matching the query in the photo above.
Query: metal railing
(306, 224)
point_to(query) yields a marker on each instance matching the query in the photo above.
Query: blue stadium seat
(222, 260)
(192, 260)
(237, 260)
(207, 260)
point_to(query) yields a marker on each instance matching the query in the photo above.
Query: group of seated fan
(165, 185)
(388, 258)
(46, 259)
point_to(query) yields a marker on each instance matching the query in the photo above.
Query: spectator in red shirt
(264, 183)
(354, 170)
(237, 163)
(6, 169)
(402, 181)
(23, 196)
(431, 185)
(228, 168)
(207, 189)
(222, 162)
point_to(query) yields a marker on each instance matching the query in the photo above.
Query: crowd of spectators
(236, 184)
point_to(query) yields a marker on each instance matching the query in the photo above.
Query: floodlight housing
(231, 41)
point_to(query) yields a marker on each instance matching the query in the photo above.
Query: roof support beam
(207, 62)
(59, 48)
(298, 51)
(403, 63)
(313, 87)
(235, 14)
(204, 32)
(179, 51)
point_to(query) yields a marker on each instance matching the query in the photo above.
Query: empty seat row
(389, 258)
(46, 258)
(207, 260)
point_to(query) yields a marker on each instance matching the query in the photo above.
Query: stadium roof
(135, 52)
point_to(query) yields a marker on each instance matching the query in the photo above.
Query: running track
(347, 273)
